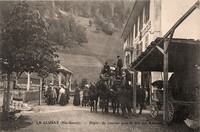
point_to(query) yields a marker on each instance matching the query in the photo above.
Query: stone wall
(25, 96)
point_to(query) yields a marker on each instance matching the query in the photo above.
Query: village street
(139, 54)
(71, 118)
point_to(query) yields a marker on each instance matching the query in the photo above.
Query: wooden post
(165, 70)
(40, 87)
(66, 80)
(8, 96)
(28, 80)
(70, 82)
(150, 88)
(134, 92)
(4, 95)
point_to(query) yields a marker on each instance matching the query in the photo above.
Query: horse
(114, 94)
(124, 97)
(103, 90)
(85, 100)
(93, 98)
(140, 97)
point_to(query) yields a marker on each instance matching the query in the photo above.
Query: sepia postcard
(99, 65)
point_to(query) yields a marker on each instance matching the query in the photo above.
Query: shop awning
(183, 53)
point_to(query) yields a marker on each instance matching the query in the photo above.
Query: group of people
(115, 70)
(56, 95)
(81, 97)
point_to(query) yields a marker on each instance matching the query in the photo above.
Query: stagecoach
(183, 97)
(112, 77)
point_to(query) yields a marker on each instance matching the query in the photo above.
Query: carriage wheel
(170, 111)
(154, 111)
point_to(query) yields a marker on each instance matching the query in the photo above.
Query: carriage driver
(106, 69)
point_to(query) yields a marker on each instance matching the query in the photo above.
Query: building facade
(150, 19)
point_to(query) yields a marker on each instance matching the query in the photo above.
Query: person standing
(119, 65)
(85, 99)
(128, 77)
(113, 69)
(76, 101)
(75, 84)
(67, 93)
(49, 94)
(106, 69)
(54, 95)
(62, 91)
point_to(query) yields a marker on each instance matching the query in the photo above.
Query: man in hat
(106, 69)
(119, 65)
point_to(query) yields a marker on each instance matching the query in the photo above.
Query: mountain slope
(87, 60)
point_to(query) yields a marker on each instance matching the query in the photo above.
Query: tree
(25, 46)
(90, 23)
(81, 36)
(106, 9)
(119, 9)
(99, 20)
(66, 31)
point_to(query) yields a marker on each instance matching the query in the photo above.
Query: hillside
(84, 59)
(87, 60)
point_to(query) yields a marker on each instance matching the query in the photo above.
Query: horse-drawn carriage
(157, 103)
(114, 92)
(183, 96)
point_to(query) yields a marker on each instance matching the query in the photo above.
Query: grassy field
(87, 60)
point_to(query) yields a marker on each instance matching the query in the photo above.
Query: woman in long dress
(76, 101)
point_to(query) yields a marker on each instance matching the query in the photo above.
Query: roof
(133, 16)
(64, 70)
(183, 53)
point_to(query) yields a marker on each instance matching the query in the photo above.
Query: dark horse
(93, 98)
(125, 99)
(140, 97)
(114, 96)
(103, 91)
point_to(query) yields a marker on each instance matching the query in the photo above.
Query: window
(128, 39)
(141, 20)
(146, 41)
(139, 49)
(131, 36)
(147, 11)
(136, 28)
(127, 59)
(137, 53)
